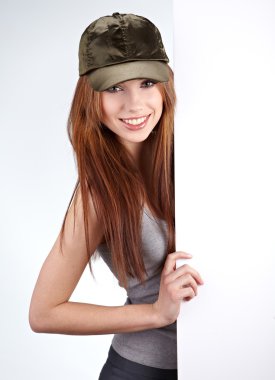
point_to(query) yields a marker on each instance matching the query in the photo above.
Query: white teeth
(135, 121)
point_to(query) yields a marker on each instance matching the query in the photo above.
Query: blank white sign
(224, 62)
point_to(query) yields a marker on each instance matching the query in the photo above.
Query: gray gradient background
(39, 71)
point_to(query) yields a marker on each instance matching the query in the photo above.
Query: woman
(122, 208)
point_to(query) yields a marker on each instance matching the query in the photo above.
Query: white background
(39, 71)
(225, 165)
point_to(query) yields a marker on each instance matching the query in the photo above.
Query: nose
(134, 102)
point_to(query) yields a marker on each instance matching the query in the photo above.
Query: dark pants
(119, 368)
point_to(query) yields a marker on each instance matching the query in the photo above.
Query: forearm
(75, 318)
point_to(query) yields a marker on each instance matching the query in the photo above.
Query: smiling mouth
(136, 123)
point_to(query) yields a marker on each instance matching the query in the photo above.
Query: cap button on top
(115, 14)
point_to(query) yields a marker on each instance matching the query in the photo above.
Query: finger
(186, 294)
(186, 299)
(171, 260)
(183, 270)
(186, 282)
(185, 289)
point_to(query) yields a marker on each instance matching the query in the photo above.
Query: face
(131, 110)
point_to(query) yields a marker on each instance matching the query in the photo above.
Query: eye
(114, 89)
(148, 83)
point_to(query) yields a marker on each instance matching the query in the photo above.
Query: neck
(137, 152)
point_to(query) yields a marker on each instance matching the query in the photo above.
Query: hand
(175, 285)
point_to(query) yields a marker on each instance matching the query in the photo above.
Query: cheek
(157, 102)
(109, 106)
(158, 105)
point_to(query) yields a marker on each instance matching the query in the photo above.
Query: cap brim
(105, 77)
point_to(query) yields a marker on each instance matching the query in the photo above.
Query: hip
(119, 368)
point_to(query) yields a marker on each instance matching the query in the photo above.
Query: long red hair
(102, 160)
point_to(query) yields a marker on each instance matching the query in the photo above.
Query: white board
(224, 61)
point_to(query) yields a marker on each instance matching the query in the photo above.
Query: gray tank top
(155, 347)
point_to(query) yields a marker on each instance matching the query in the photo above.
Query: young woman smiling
(121, 128)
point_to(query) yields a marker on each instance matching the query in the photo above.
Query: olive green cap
(122, 47)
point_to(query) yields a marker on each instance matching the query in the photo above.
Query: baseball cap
(122, 47)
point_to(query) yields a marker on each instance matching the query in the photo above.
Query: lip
(138, 126)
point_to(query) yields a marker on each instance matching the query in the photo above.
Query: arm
(50, 308)
(52, 312)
